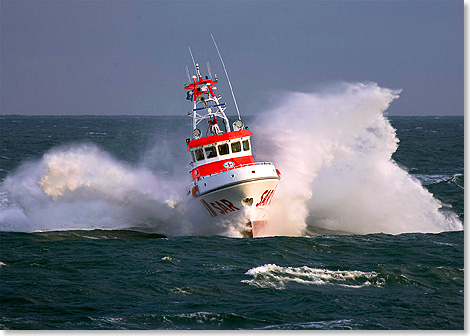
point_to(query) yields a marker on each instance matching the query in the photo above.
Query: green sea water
(108, 275)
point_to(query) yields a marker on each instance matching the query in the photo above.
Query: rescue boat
(226, 181)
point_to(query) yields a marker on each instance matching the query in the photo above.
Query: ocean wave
(274, 276)
(192, 320)
(427, 179)
(343, 324)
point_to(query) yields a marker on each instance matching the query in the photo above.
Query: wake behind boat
(227, 182)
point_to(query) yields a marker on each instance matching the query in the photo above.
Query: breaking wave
(83, 187)
(334, 149)
(274, 276)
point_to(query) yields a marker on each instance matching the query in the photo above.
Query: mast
(206, 104)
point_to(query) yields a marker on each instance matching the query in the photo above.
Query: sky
(129, 57)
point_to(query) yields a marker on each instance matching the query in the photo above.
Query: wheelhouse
(219, 153)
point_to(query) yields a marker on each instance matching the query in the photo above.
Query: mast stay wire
(226, 74)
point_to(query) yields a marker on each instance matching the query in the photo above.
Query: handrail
(205, 107)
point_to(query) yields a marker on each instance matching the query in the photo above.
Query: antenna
(226, 74)
(187, 74)
(194, 63)
(209, 70)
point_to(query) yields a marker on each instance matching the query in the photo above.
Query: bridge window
(211, 152)
(199, 154)
(246, 145)
(223, 149)
(236, 147)
(192, 156)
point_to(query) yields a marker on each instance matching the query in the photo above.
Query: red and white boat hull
(241, 202)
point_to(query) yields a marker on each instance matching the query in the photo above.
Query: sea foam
(274, 276)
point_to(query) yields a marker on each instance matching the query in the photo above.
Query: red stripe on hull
(218, 166)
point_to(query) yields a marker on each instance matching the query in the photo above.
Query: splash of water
(334, 149)
(83, 187)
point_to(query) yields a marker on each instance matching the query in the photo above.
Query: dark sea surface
(123, 279)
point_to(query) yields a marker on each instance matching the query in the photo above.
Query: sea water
(367, 228)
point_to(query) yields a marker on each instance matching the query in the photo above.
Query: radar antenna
(209, 70)
(194, 63)
(187, 74)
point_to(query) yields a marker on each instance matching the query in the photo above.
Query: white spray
(83, 187)
(334, 150)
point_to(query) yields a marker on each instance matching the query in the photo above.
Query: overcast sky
(128, 57)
